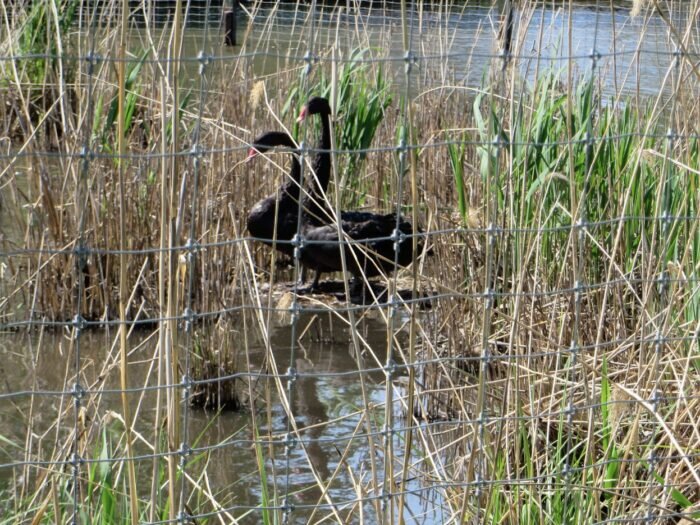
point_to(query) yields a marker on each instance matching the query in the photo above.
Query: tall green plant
(37, 37)
(456, 151)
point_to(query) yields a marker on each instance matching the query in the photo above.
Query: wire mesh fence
(502, 199)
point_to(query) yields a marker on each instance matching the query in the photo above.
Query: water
(328, 405)
(457, 46)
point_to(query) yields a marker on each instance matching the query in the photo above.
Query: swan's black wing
(372, 251)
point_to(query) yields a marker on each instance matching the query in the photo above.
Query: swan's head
(269, 140)
(315, 106)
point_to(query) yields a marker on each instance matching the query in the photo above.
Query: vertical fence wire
(81, 253)
(665, 224)
(409, 357)
(389, 510)
(192, 254)
(292, 437)
(124, 260)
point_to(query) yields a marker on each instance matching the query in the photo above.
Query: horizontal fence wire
(360, 151)
(535, 358)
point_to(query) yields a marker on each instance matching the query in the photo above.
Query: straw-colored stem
(123, 290)
(163, 333)
(172, 351)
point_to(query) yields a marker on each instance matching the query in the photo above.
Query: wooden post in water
(505, 34)
(230, 25)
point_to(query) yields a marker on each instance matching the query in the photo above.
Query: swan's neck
(290, 187)
(322, 166)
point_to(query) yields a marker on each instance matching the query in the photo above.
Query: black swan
(318, 208)
(275, 217)
(374, 236)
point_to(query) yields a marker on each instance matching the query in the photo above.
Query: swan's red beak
(302, 115)
(252, 152)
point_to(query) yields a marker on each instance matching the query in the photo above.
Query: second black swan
(373, 237)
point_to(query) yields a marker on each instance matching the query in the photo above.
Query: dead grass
(557, 388)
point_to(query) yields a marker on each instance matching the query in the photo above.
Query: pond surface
(456, 46)
(327, 403)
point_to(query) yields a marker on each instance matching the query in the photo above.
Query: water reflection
(327, 405)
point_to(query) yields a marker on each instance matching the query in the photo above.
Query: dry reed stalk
(121, 138)
(172, 360)
(408, 116)
(163, 331)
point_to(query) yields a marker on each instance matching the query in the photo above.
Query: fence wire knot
(652, 459)
(393, 302)
(92, 59)
(298, 241)
(81, 256)
(489, 295)
(654, 400)
(79, 323)
(78, 392)
(402, 148)
(491, 232)
(578, 291)
(483, 418)
(186, 384)
(203, 60)
(398, 237)
(505, 56)
(290, 442)
(409, 59)
(387, 431)
(390, 370)
(287, 508)
(309, 58)
(671, 136)
(196, 151)
(76, 460)
(678, 55)
(658, 341)
(85, 153)
(477, 484)
(662, 282)
(192, 247)
(184, 451)
(566, 471)
(188, 315)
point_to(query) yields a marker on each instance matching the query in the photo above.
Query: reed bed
(552, 373)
